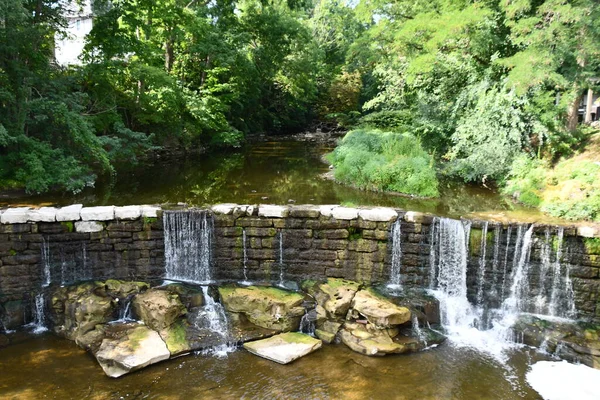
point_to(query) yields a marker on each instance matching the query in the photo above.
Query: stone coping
(89, 219)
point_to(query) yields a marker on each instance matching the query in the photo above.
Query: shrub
(570, 190)
(389, 161)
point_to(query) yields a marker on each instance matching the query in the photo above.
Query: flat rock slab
(135, 349)
(284, 348)
(378, 310)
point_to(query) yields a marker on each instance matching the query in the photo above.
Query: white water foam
(563, 381)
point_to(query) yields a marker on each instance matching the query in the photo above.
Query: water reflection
(267, 172)
(56, 368)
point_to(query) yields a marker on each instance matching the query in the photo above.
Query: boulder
(267, 307)
(175, 337)
(285, 347)
(135, 347)
(369, 340)
(325, 336)
(124, 289)
(190, 296)
(159, 309)
(378, 310)
(334, 297)
(79, 309)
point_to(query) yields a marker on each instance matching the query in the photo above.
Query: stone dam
(538, 269)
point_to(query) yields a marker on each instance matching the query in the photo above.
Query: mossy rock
(175, 337)
(159, 309)
(267, 307)
(124, 289)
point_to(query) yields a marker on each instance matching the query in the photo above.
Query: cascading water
(450, 272)
(482, 265)
(417, 331)
(281, 281)
(188, 241)
(518, 299)
(39, 314)
(395, 278)
(307, 324)
(46, 260)
(212, 317)
(245, 253)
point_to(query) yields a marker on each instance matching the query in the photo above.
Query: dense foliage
(570, 190)
(376, 160)
(480, 83)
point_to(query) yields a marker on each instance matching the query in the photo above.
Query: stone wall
(75, 243)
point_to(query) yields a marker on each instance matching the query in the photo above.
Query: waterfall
(519, 290)
(545, 266)
(125, 311)
(481, 270)
(432, 252)
(46, 262)
(417, 331)
(495, 260)
(188, 241)
(245, 253)
(307, 324)
(395, 278)
(280, 237)
(451, 268)
(212, 317)
(505, 263)
(562, 302)
(39, 314)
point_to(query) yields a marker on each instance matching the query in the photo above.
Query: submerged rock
(135, 347)
(285, 347)
(367, 339)
(378, 310)
(267, 307)
(159, 309)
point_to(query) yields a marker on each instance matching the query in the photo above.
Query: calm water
(277, 172)
(53, 368)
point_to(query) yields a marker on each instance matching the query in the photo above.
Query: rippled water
(53, 368)
(268, 172)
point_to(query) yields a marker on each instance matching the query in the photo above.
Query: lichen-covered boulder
(190, 296)
(159, 309)
(175, 337)
(124, 289)
(135, 347)
(266, 307)
(285, 347)
(368, 340)
(378, 310)
(334, 296)
(77, 310)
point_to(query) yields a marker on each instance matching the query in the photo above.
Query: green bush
(570, 190)
(389, 161)
(394, 120)
(526, 180)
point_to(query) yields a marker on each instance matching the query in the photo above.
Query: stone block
(273, 211)
(19, 215)
(128, 212)
(305, 212)
(418, 217)
(333, 234)
(326, 210)
(43, 214)
(88, 226)
(69, 213)
(150, 211)
(224, 209)
(376, 234)
(588, 231)
(102, 213)
(363, 246)
(378, 214)
(254, 222)
(344, 213)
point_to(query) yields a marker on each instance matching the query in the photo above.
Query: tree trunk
(169, 54)
(588, 106)
(206, 67)
(573, 115)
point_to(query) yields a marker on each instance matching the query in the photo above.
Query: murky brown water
(274, 172)
(52, 368)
